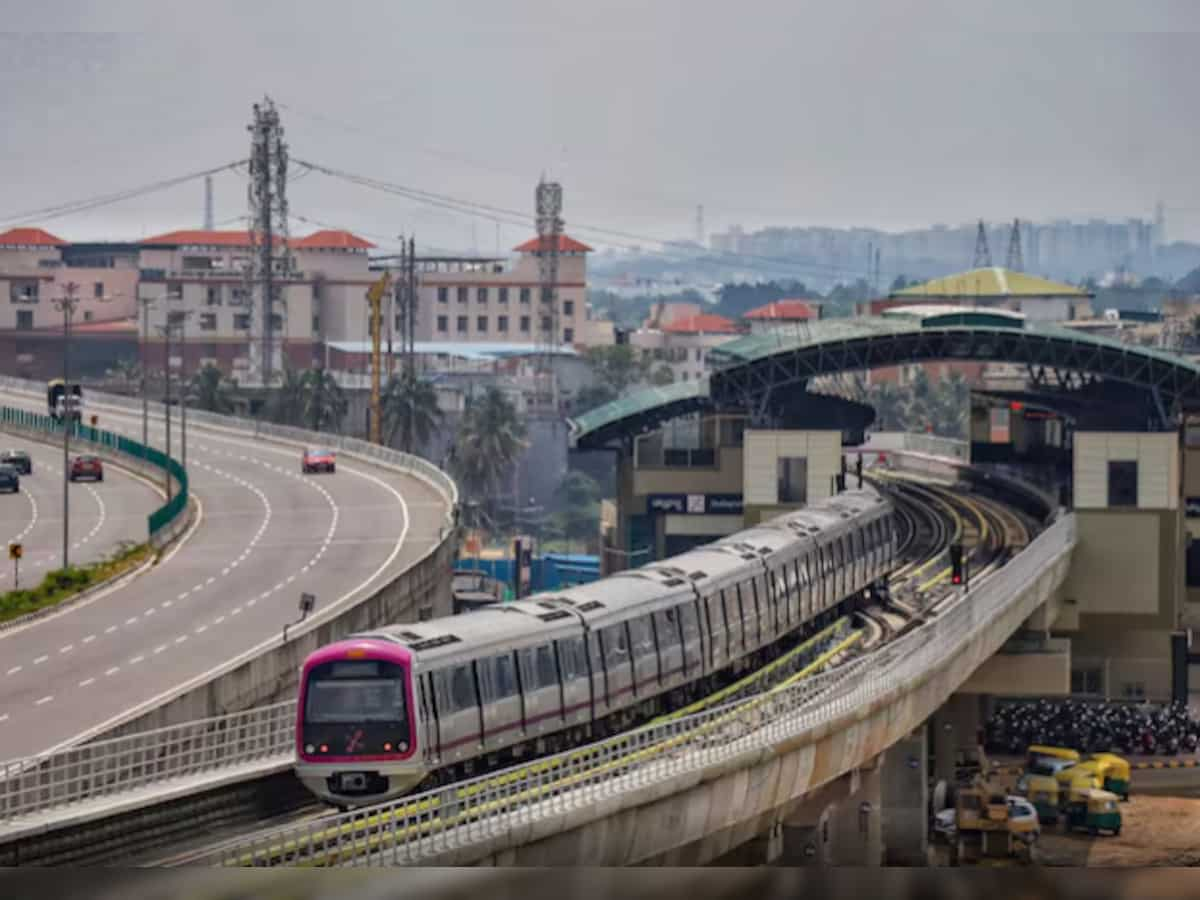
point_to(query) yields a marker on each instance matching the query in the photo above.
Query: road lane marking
(160, 648)
(40, 660)
(181, 639)
(113, 671)
(89, 639)
(87, 681)
(136, 660)
(13, 671)
(66, 649)
(45, 699)
(110, 629)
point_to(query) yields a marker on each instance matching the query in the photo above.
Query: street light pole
(167, 399)
(67, 304)
(146, 303)
(183, 392)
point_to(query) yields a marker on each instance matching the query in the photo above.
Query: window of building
(699, 355)
(87, 315)
(1134, 690)
(176, 317)
(1122, 483)
(1086, 681)
(276, 322)
(546, 323)
(503, 295)
(481, 294)
(237, 296)
(208, 321)
(524, 295)
(547, 295)
(443, 295)
(462, 324)
(481, 324)
(462, 294)
(316, 324)
(174, 290)
(568, 307)
(242, 321)
(213, 298)
(525, 324)
(24, 319)
(792, 479)
(502, 323)
(443, 323)
(568, 335)
(98, 289)
(1193, 563)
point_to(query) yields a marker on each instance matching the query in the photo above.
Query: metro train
(423, 704)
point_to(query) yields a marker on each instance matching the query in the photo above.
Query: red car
(318, 461)
(86, 467)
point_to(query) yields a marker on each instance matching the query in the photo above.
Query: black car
(18, 459)
(10, 479)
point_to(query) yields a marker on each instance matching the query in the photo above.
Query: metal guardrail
(105, 768)
(158, 520)
(415, 829)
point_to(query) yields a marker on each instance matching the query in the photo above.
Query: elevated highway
(262, 534)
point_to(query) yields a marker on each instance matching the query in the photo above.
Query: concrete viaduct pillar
(955, 727)
(906, 801)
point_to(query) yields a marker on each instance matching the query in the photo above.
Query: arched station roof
(752, 366)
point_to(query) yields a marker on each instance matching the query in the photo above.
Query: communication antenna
(983, 256)
(209, 220)
(549, 227)
(1014, 260)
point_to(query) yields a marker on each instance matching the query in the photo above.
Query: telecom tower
(270, 256)
(209, 223)
(549, 228)
(983, 256)
(1014, 261)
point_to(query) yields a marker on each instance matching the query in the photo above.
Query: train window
(547, 668)
(571, 658)
(596, 651)
(504, 674)
(528, 670)
(642, 636)
(462, 690)
(667, 625)
(485, 668)
(616, 645)
(691, 625)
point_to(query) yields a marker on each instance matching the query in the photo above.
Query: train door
(693, 638)
(615, 640)
(577, 692)
(432, 744)
(670, 646)
(502, 707)
(539, 681)
(601, 695)
(646, 665)
(718, 636)
(459, 713)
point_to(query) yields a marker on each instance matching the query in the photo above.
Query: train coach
(383, 712)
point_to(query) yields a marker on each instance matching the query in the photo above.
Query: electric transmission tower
(1014, 261)
(270, 255)
(549, 228)
(983, 256)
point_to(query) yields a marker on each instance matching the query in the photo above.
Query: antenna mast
(983, 256)
(549, 228)
(1015, 261)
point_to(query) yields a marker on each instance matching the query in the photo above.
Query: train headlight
(309, 748)
(402, 746)
(388, 746)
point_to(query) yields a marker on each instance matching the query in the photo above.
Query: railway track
(931, 517)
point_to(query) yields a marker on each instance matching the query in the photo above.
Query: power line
(84, 205)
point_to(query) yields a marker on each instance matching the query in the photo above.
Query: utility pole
(208, 203)
(67, 305)
(375, 298)
(549, 227)
(983, 256)
(268, 223)
(391, 317)
(1015, 261)
(146, 303)
(411, 308)
(165, 330)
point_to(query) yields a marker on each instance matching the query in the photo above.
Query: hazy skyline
(769, 114)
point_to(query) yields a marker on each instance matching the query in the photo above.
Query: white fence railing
(386, 456)
(105, 768)
(415, 829)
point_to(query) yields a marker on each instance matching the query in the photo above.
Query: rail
(405, 462)
(159, 520)
(104, 768)
(415, 829)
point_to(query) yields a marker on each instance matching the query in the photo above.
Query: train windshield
(356, 692)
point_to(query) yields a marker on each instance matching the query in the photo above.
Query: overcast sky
(880, 113)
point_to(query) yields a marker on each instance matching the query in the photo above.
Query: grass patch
(62, 584)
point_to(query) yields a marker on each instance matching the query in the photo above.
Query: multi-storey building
(787, 316)
(682, 344)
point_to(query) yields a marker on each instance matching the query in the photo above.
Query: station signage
(1192, 507)
(695, 504)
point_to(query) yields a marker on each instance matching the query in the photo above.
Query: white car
(1023, 819)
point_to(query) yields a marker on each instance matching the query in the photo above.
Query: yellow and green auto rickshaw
(1082, 775)
(1095, 810)
(1044, 760)
(1042, 792)
(1116, 775)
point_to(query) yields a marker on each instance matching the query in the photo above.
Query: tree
(286, 403)
(889, 404)
(410, 406)
(325, 403)
(618, 367)
(663, 376)
(592, 396)
(211, 391)
(490, 438)
(579, 497)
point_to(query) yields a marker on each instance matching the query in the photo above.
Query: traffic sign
(15, 551)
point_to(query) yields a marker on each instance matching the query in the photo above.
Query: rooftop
(198, 237)
(991, 282)
(565, 245)
(29, 237)
(786, 310)
(481, 350)
(702, 323)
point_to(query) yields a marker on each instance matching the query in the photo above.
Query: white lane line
(200, 629)
(110, 629)
(210, 579)
(160, 648)
(13, 671)
(136, 660)
(4, 718)
(87, 681)
(45, 699)
(113, 671)
(40, 660)
(181, 639)
(131, 620)
(218, 620)
(89, 639)
(183, 596)
(66, 649)
(166, 604)
(148, 613)
(235, 611)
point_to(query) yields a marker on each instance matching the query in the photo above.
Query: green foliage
(61, 584)
(490, 439)
(211, 391)
(325, 403)
(579, 498)
(735, 300)
(922, 406)
(618, 367)
(662, 376)
(410, 407)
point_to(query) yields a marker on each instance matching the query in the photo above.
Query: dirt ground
(1155, 831)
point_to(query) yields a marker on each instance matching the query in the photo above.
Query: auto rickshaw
(1085, 774)
(1042, 791)
(1116, 775)
(1095, 810)
(1044, 760)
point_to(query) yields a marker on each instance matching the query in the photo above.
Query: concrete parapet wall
(698, 816)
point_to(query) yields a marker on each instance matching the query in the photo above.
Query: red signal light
(957, 579)
(324, 748)
(1016, 406)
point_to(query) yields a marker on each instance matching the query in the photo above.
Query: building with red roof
(681, 344)
(29, 237)
(788, 312)
(702, 323)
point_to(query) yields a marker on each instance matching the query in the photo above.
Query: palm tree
(888, 402)
(410, 406)
(490, 438)
(287, 402)
(209, 390)
(325, 403)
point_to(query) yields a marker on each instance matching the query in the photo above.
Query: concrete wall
(1157, 456)
(1024, 674)
(764, 449)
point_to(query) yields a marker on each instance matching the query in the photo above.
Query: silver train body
(534, 676)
